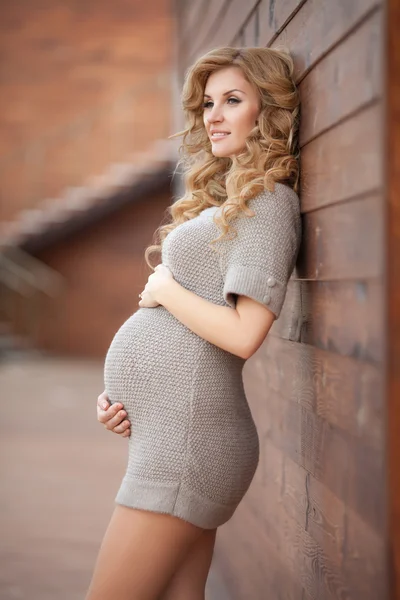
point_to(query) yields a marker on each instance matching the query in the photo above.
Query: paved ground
(59, 474)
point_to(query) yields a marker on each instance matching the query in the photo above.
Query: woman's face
(231, 107)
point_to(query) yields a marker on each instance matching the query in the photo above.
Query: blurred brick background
(82, 85)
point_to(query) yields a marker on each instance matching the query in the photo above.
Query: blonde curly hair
(271, 152)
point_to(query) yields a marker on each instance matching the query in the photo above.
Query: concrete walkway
(59, 474)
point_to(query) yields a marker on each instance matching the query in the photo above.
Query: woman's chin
(220, 152)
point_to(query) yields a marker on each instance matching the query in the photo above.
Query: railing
(24, 283)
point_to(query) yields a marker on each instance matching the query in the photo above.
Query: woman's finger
(126, 433)
(146, 300)
(105, 415)
(122, 426)
(119, 417)
(103, 401)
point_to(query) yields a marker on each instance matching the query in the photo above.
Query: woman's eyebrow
(226, 93)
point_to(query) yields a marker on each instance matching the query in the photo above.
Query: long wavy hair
(271, 152)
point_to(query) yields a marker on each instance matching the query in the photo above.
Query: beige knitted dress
(194, 449)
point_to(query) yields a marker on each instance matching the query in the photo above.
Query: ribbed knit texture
(194, 449)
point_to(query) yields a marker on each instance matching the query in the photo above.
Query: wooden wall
(313, 524)
(392, 178)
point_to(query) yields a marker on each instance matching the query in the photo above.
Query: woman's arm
(240, 331)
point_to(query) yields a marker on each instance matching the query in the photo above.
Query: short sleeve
(259, 261)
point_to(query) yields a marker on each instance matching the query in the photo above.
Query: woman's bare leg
(189, 581)
(140, 552)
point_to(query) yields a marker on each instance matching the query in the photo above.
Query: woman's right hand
(113, 416)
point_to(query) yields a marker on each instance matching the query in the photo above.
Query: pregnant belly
(170, 379)
(150, 355)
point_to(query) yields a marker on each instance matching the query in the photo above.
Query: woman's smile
(217, 136)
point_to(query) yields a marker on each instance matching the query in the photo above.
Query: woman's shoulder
(282, 196)
(276, 209)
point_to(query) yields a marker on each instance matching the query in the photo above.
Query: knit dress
(194, 448)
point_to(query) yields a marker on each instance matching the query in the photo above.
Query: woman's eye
(209, 103)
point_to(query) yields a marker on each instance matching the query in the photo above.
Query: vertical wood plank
(392, 161)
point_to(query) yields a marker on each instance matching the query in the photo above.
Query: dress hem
(175, 499)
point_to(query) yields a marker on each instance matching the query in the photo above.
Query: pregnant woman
(174, 368)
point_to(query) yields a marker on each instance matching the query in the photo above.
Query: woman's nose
(215, 114)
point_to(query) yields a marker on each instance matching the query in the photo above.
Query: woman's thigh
(140, 552)
(189, 581)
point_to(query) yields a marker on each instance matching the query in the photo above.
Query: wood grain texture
(205, 15)
(392, 157)
(333, 245)
(344, 81)
(318, 27)
(344, 317)
(345, 162)
(304, 527)
(340, 390)
(253, 566)
(190, 15)
(274, 16)
(220, 23)
(249, 33)
(365, 558)
(292, 500)
(321, 448)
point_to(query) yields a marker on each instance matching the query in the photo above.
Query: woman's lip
(219, 137)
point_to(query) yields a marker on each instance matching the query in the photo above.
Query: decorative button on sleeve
(259, 261)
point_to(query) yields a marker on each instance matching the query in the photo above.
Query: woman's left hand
(155, 286)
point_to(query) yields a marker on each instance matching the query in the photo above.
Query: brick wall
(83, 85)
